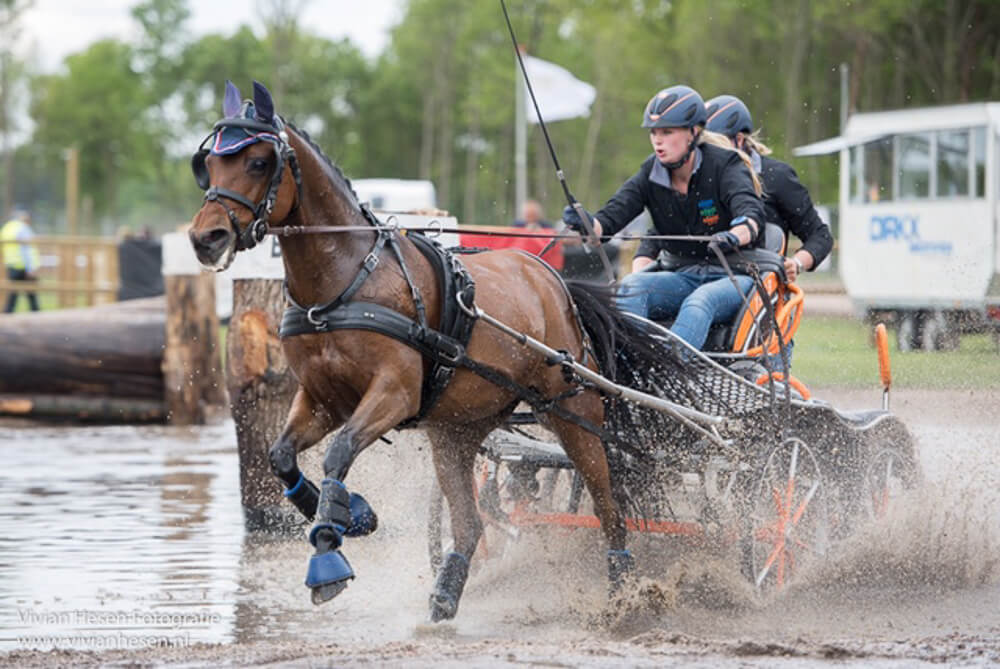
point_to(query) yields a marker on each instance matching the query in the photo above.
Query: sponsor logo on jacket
(708, 212)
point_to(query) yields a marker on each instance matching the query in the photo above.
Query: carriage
(769, 471)
(384, 328)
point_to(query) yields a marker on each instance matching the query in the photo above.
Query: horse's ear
(231, 101)
(263, 103)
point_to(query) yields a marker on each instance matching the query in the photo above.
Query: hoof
(328, 575)
(325, 593)
(363, 518)
(442, 607)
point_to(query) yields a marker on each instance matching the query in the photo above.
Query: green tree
(98, 105)
(12, 75)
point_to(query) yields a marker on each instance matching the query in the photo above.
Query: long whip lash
(580, 211)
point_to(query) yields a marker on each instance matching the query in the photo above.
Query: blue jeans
(698, 296)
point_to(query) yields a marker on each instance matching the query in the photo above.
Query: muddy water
(128, 541)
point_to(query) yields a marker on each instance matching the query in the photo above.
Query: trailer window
(979, 162)
(914, 166)
(878, 170)
(952, 163)
(855, 164)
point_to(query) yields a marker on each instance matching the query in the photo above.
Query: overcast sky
(55, 28)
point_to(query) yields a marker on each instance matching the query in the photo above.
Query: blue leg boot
(620, 567)
(329, 570)
(448, 589)
(363, 518)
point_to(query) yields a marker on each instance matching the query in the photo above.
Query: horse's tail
(629, 354)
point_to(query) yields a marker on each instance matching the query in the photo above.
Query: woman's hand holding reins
(573, 221)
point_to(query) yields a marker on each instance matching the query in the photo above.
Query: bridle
(257, 229)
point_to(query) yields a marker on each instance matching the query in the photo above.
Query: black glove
(726, 240)
(572, 219)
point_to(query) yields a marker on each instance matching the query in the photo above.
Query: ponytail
(723, 142)
(753, 141)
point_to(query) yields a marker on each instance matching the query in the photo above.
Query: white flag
(560, 94)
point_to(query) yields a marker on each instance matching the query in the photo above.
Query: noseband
(247, 238)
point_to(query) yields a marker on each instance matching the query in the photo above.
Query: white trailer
(919, 219)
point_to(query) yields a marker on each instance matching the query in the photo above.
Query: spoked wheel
(789, 519)
(889, 473)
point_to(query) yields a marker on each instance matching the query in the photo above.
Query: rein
(438, 230)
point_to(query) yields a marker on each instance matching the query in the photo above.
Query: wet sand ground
(920, 587)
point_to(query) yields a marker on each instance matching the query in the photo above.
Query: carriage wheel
(888, 474)
(789, 519)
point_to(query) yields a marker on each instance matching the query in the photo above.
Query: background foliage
(438, 102)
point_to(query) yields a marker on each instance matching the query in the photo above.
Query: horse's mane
(335, 173)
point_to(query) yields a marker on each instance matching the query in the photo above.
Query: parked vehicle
(919, 222)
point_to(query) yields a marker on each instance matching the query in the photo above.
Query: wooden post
(192, 366)
(261, 387)
(67, 259)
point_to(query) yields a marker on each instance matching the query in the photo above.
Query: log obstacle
(100, 363)
(146, 360)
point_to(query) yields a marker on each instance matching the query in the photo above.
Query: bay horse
(262, 175)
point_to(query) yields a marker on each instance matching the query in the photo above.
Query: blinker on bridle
(256, 230)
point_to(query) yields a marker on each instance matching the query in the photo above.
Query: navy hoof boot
(363, 518)
(448, 588)
(328, 575)
(620, 567)
(328, 571)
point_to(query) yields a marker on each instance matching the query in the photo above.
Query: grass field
(833, 351)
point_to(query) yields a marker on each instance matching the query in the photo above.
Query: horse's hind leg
(454, 451)
(587, 453)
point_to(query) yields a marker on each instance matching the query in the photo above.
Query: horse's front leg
(306, 424)
(590, 460)
(385, 404)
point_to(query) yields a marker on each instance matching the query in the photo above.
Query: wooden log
(111, 351)
(192, 366)
(261, 387)
(87, 409)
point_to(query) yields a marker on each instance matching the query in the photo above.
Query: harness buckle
(371, 261)
(452, 357)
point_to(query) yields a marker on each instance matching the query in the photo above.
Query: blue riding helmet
(728, 116)
(675, 107)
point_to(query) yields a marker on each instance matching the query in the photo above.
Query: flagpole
(520, 142)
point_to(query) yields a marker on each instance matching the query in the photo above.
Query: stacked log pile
(148, 360)
(99, 363)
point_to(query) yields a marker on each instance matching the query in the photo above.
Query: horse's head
(242, 166)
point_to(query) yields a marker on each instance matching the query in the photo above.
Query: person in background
(786, 200)
(690, 187)
(20, 257)
(532, 217)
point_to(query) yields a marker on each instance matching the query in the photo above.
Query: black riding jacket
(720, 190)
(786, 204)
